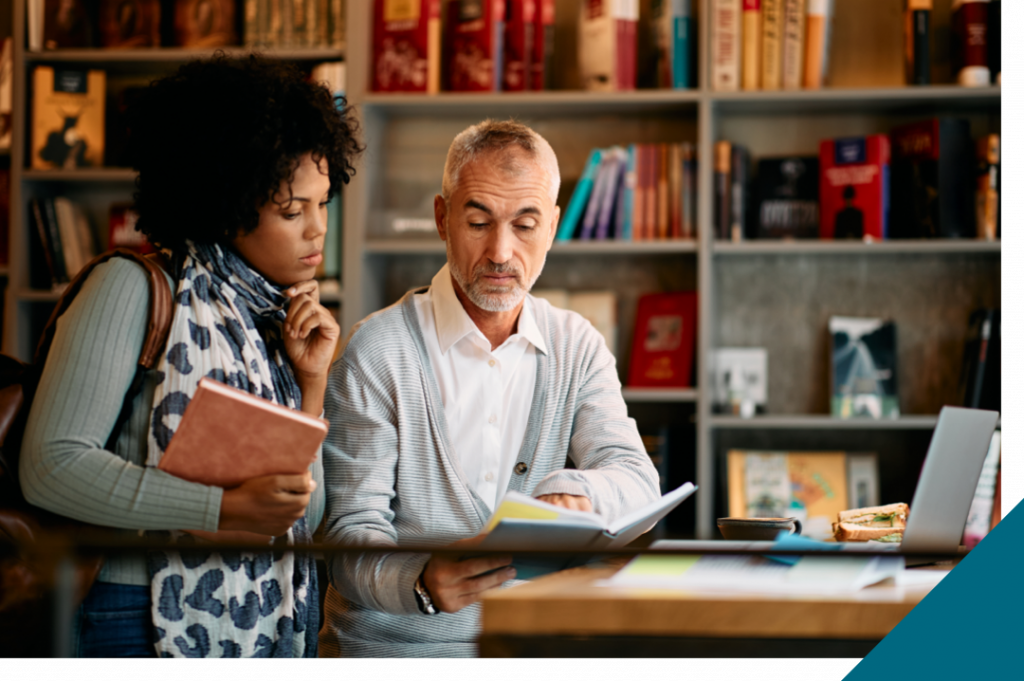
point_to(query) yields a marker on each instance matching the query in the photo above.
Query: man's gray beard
(476, 290)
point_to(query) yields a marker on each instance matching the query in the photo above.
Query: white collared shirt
(487, 395)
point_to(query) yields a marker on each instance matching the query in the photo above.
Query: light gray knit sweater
(392, 476)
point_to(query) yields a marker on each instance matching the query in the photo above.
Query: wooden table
(564, 615)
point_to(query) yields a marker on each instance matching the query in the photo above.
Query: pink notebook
(228, 436)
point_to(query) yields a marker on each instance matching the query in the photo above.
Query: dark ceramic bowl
(757, 529)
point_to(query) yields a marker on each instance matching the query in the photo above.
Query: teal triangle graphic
(965, 627)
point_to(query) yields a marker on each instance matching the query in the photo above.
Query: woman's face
(288, 242)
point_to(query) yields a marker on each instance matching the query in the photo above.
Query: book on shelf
(607, 49)
(863, 377)
(689, 204)
(809, 486)
(726, 56)
(980, 517)
(987, 188)
(649, 192)
(336, 23)
(66, 23)
(661, 193)
(664, 340)
(406, 46)
(675, 191)
(332, 74)
(817, 40)
(67, 118)
(854, 188)
(772, 14)
(520, 24)
(122, 229)
(64, 235)
(787, 198)
(580, 197)
(980, 384)
(794, 33)
(722, 189)
(627, 197)
(994, 38)
(739, 380)
(657, 443)
(616, 160)
(473, 46)
(541, 67)
(602, 187)
(46, 263)
(597, 307)
(523, 523)
(753, 34)
(74, 234)
(6, 92)
(917, 41)
(739, 194)
(129, 23)
(673, 33)
(204, 23)
(970, 42)
(933, 179)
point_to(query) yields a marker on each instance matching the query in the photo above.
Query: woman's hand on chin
(310, 337)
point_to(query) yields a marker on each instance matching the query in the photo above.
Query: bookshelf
(772, 294)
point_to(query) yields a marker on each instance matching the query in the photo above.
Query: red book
(543, 45)
(970, 42)
(406, 46)
(664, 341)
(607, 44)
(854, 188)
(519, 35)
(475, 30)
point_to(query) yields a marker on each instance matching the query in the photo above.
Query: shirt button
(492, 419)
(521, 468)
(489, 477)
(491, 363)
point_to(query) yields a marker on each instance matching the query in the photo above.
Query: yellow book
(793, 28)
(752, 36)
(771, 44)
(817, 41)
(67, 118)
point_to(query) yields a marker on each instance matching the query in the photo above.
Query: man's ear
(440, 217)
(554, 226)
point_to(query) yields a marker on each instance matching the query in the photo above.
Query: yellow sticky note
(515, 509)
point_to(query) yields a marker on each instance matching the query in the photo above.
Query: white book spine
(726, 17)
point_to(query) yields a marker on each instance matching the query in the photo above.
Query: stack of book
(61, 241)
(294, 23)
(634, 193)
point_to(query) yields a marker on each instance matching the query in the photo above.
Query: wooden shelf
(822, 422)
(814, 246)
(436, 246)
(659, 394)
(81, 175)
(173, 55)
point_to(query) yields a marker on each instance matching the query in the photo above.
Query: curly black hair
(213, 142)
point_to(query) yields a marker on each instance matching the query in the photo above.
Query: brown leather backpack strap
(161, 299)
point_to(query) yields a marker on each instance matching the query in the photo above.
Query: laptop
(943, 497)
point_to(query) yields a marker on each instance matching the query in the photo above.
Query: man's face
(498, 225)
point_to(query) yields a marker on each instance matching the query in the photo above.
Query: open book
(525, 523)
(228, 436)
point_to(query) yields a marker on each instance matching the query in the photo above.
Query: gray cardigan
(393, 478)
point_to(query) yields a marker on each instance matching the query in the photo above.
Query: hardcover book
(787, 198)
(519, 35)
(664, 340)
(580, 197)
(864, 368)
(726, 59)
(773, 12)
(723, 189)
(739, 194)
(475, 35)
(228, 436)
(752, 37)
(67, 118)
(66, 23)
(406, 46)
(817, 43)
(917, 41)
(130, 23)
(541, 70)
(672, 31)
(986, 194)
(794, 24)
(980, 374)
(608, 44)
(933, 179)
(854, 188)
(970, 42)
(204, 23)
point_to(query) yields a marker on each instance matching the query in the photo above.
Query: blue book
(681, 44)
(624, 207)
(579, 199)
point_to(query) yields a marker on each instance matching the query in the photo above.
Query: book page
(520, 506)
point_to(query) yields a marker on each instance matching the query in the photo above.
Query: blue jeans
(115, 621)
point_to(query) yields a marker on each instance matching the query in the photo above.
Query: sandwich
(874, 523)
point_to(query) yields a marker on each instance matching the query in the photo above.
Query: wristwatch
(423, 600)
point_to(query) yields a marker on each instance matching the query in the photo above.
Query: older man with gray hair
(456, 394)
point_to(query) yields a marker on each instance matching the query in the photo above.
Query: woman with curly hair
(237, 161)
